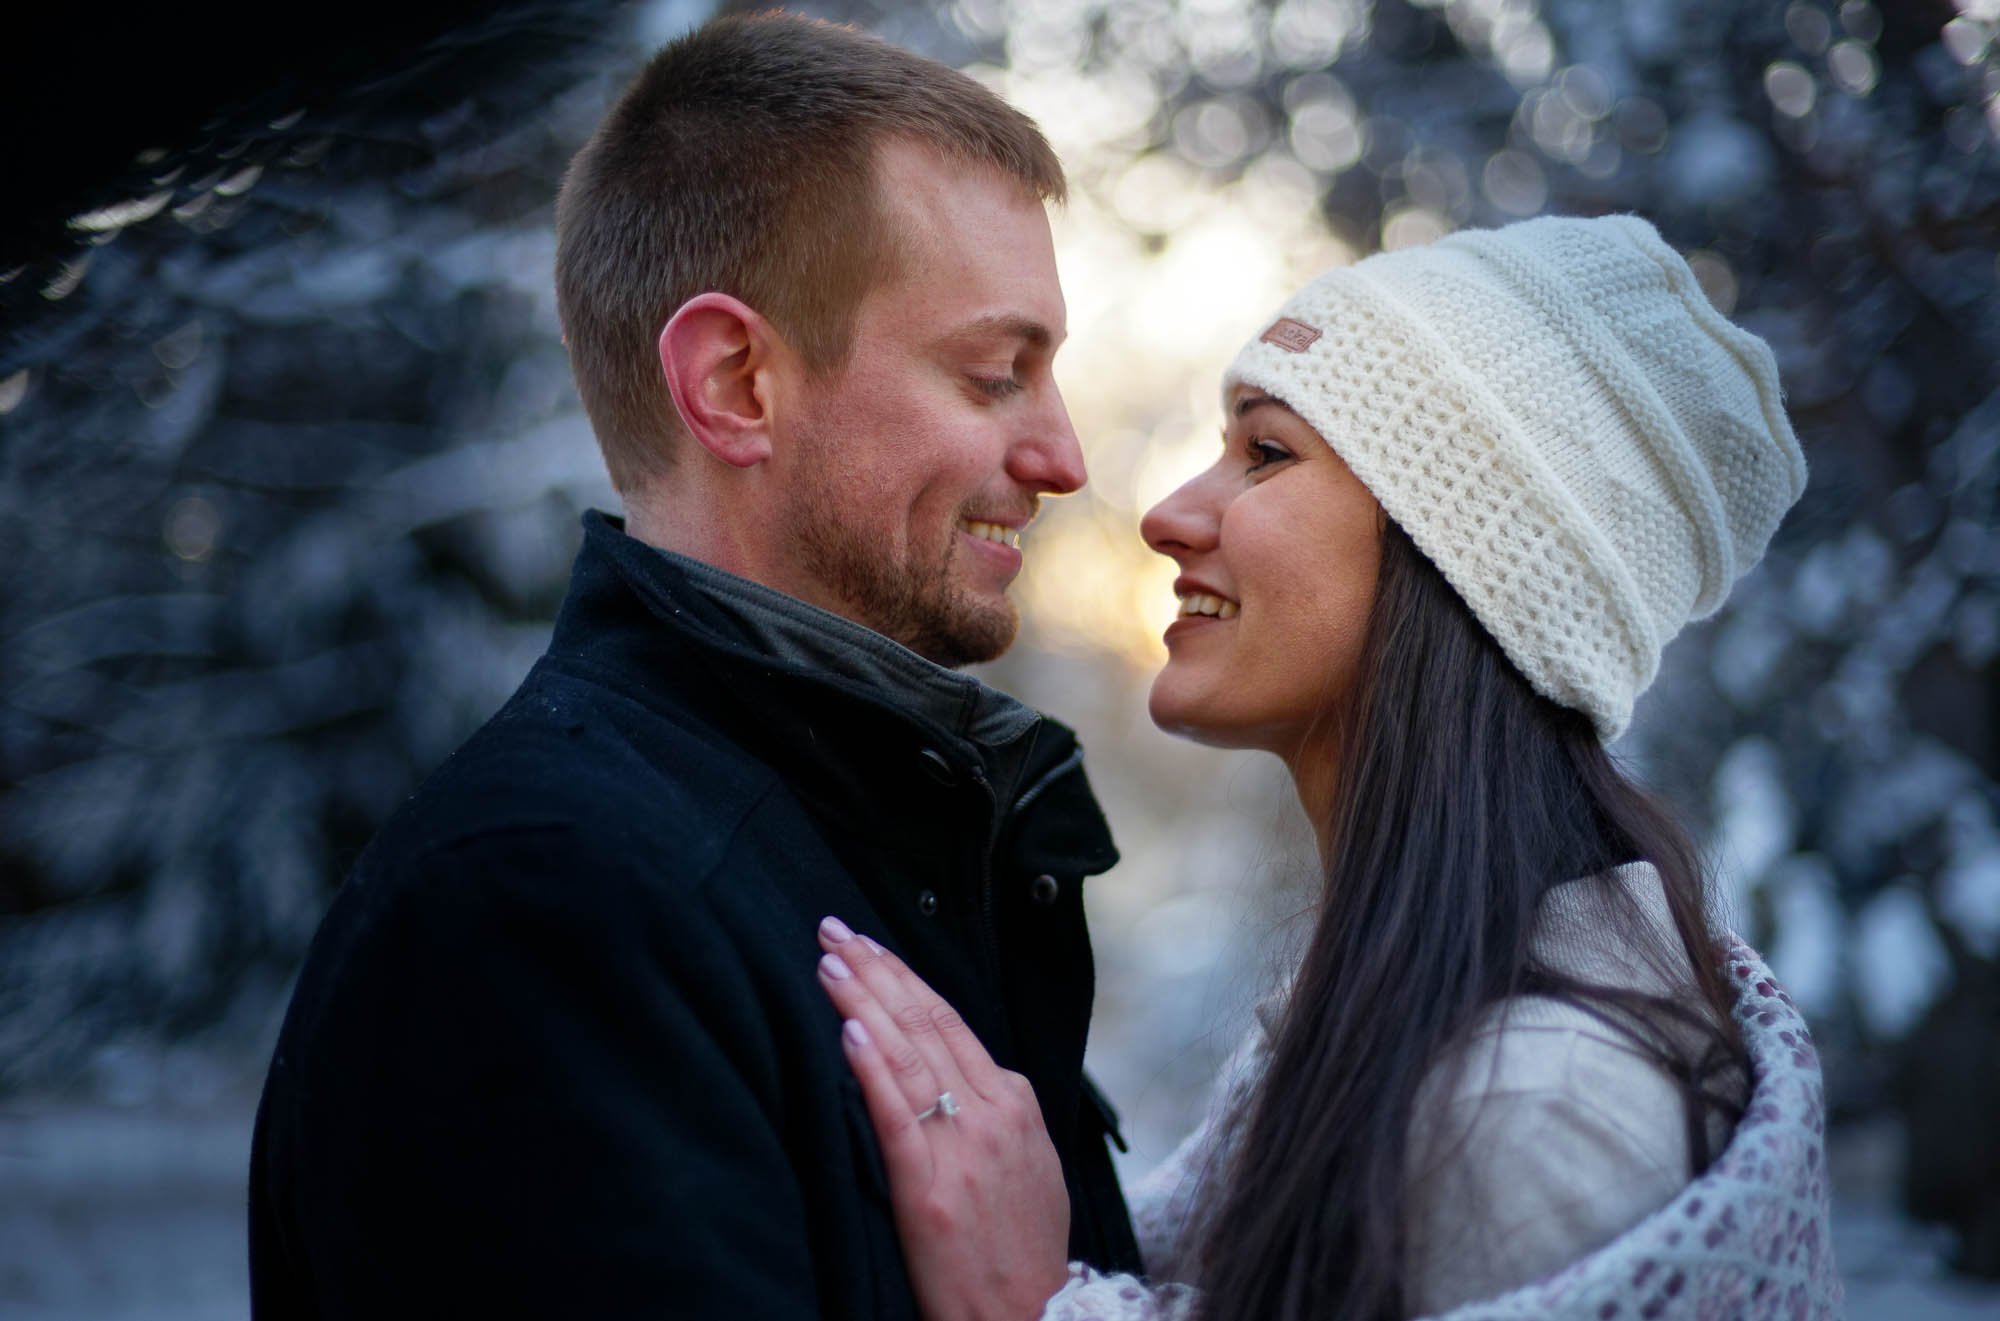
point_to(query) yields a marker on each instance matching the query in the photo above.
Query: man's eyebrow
(1250, 401)
(1005, 325)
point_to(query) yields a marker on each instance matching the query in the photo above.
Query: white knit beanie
(1554, 412)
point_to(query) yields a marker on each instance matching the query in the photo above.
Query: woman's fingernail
(835, 968)
(835, 930)
(873, 948)
(856, 1034)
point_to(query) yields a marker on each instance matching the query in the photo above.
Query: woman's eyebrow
(1250, 401)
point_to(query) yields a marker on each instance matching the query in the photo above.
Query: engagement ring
(947, 1105)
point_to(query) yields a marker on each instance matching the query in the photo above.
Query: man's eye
(1264, 453)
(996, 387)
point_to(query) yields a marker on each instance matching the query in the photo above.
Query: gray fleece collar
(793, 631)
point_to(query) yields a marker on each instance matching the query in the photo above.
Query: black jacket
(559, 1049)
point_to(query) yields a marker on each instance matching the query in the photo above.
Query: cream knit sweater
(1549, 1174)
(1555, 1137)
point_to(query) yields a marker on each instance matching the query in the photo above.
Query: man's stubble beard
(916, 603)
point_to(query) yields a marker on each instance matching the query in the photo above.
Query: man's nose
(1185, 522)
(1049, 458)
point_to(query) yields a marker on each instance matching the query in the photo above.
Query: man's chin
(968, 636)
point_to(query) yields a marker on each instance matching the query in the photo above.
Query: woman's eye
(1264, 453)
(996, 387)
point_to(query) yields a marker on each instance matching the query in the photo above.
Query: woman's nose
(1184, 522)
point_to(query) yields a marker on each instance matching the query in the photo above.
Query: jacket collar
(786, 675)
(809, 639)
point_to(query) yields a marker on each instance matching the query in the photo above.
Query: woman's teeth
(1200, 603)
(1006, 536)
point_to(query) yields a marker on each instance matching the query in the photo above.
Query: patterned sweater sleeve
(1167, 1207)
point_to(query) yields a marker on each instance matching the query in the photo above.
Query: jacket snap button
(1044, 889)
(940, 769)
(927, 902)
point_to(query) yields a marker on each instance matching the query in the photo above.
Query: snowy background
(292, 468)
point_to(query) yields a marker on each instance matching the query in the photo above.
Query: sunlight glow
(1166, 273)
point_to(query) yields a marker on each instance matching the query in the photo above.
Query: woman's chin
(1188, 715)
(1223, 719)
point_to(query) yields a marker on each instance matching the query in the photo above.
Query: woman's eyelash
(1260, 451)
(1263, 452)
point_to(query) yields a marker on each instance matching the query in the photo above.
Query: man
(559, 1049)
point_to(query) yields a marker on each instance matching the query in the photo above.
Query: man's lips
(1000, 534)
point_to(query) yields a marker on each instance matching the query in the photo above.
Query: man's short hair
(741, 160)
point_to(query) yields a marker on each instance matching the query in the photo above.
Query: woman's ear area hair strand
(713, 351)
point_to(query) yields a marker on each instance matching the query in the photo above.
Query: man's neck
(809, 637)
(738, 542)
(695, 528)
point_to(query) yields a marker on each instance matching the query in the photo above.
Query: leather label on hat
(1289, 335)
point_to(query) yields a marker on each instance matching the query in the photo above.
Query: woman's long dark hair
(1462, 796)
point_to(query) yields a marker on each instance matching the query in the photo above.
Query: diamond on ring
(946, 1105)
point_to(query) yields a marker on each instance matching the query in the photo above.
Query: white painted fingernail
(873, 948)
(834, 967)
(835, 930)
(856, 1034)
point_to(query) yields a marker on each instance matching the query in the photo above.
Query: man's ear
(717, 354)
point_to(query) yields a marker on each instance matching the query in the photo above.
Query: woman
(1466, 495)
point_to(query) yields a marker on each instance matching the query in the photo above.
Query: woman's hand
(974, 1181)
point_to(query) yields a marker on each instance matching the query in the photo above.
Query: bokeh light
(192, 528)
(1853, 67)
(1791, 88)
